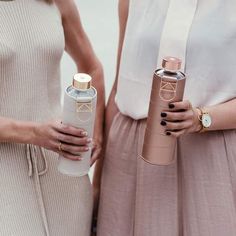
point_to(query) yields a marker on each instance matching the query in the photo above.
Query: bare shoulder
(65, 7)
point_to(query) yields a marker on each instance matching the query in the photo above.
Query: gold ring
(59, 147)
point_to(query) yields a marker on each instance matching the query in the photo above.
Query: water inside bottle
(77, 94)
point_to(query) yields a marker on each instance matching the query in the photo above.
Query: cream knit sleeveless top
(202, 33)
(34, 196)
(31, 45)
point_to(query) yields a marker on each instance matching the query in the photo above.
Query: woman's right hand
(66, 140)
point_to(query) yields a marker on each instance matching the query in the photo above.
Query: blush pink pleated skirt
(196, 196)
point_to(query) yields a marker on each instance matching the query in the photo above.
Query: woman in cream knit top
(34, 198)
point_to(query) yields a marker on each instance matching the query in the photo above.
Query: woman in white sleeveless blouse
(34, 198)
(196, 196)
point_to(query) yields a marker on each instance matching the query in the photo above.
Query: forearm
(16, 131)
(223, 115)
(98, 83)
(110, 113)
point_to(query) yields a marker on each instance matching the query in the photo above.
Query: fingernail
(89, 140)
(171, 106)
(84, 133)
(86, 148)
(163, 123)
(163, 114)
(168, 133)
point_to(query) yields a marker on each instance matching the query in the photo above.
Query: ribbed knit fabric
(35, 200)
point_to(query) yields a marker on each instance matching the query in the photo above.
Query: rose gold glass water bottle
(167, 87)
(79, 110)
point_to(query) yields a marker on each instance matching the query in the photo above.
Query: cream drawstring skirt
(36, 200)
(194, 197)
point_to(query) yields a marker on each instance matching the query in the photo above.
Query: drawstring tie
(32, 154)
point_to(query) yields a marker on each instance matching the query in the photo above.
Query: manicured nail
(89, 140)
(168, 133)
(163, 114)
(163, 123)
(171, 106)
(84, 133)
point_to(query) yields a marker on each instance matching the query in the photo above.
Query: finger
(70, 156)
(79, 141)
(68, 129)
(177, 134)
(72, 149)
(172, 126)
(183, 105)
(95, 156)
(94, 147)
(92, 162)
(177, 116)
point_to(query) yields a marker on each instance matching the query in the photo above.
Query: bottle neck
(171, 72)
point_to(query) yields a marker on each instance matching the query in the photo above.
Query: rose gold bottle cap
(82, 81)
(171, 63)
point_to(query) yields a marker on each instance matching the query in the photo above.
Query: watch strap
(201, 112)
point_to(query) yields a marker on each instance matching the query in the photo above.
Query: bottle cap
(171, 63)
(82, 81)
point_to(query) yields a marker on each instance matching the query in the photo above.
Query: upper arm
(72, 25)
(123, 16)
(77, 43)
(65, 7)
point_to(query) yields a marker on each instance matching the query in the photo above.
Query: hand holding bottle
(66, 140)
(79, 111)
(180, 119)
(51, 135)
(168, 87)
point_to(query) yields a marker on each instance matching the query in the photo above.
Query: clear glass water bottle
(79, 110)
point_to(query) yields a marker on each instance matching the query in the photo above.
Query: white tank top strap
(193, 30)
(176, 30)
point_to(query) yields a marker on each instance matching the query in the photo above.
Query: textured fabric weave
(34, 198)
(196, 196)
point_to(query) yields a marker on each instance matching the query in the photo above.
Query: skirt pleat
(193, 197)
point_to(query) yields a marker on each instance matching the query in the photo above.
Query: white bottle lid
(82, 81)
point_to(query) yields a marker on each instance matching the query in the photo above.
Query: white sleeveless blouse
(202, 33)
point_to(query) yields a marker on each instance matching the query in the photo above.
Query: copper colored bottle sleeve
(158, 148)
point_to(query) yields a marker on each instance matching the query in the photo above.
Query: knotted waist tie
(33, 153)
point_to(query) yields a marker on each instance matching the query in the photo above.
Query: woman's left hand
(96, 145)
(180, 119)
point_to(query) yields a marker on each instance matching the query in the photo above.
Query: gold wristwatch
(205, 119)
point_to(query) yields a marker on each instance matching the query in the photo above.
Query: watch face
(206, 120)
